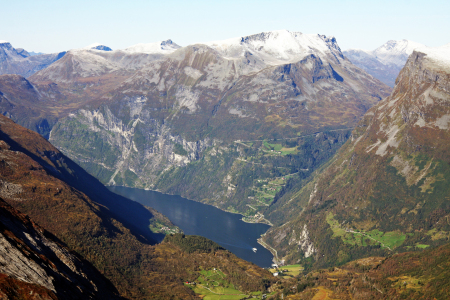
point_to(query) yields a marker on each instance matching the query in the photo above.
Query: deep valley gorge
(344, 154)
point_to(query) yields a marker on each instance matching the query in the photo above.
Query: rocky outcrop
(113, 232)
(30, 254)
(387, 187)
(162, 120)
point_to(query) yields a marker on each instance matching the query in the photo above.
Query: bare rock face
(171, 112)
(113, 232)
(147, 115)
(31, 255)
(387, 189)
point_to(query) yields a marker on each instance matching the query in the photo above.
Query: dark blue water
(226, 229)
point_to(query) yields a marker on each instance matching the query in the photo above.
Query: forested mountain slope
(111, 232)
(199, 120)
(409, 275)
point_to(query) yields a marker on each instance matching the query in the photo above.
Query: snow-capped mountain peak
(4, 42)
(95, 46)
(396, 52)
(276, 46)
(404, 46)
(161, 47)
(385, 62)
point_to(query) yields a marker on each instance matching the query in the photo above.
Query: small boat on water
(254, 249)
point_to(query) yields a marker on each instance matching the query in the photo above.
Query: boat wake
(232, 245)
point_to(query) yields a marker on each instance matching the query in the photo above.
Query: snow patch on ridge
(161, 47)
(193, 73)
(274, 47)
(437, 57)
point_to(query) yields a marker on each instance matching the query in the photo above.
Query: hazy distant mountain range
(19, 61)
(385, 62)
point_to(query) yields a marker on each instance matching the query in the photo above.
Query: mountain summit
(97, 46)
(161, 47)
(387, 190)
(277, 47)
(385, 62)
(18, 61)
(395, 52)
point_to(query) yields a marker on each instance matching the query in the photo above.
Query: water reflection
(226, 229)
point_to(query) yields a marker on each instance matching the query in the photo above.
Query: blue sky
(52, 26)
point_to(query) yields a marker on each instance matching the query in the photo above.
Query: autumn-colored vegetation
(11, 288)
(409, 275)
(386, 190)
(108, 230)
(31, 253)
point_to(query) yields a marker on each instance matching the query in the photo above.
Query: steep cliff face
(121, 147)
(189, 112)
(387, 188)
(32, 257)
(112, 232)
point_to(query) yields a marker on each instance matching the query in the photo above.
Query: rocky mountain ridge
(19, 61)
(175, 114)
(277, 47)
(115, 234)
(32, 256)
(387, 188)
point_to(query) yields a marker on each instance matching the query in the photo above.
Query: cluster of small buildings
(275, 266)
(169, 230)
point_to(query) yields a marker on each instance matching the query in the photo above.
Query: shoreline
(264, 220)
(275, 258)
(260, 221)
